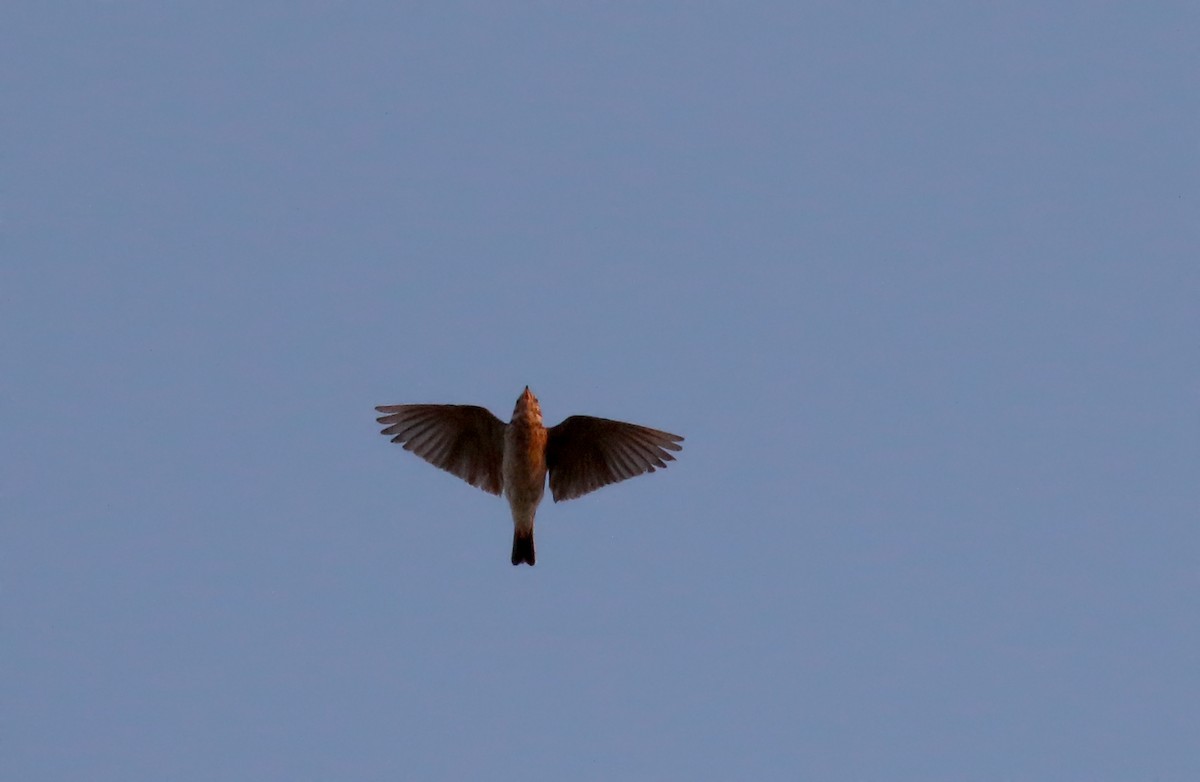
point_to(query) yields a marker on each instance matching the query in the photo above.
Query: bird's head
(528, 407)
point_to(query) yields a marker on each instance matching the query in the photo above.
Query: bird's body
(581, 454)
(524, 472)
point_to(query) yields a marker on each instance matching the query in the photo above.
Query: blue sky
(917, 281)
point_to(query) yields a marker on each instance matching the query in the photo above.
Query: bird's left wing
(465, 440)
(584, 453)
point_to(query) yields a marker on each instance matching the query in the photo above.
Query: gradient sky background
(917, 281)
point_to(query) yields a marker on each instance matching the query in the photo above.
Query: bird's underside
(580, 455)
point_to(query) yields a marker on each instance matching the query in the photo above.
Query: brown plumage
(581, 454)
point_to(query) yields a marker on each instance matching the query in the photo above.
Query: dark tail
(522, 547)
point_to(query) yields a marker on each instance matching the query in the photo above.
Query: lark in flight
(581, 454)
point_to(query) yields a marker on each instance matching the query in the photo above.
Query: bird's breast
(524, 459)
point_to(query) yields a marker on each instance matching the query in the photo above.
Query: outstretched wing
(584, 453)
(465, 440)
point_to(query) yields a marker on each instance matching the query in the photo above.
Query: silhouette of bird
(581, 454)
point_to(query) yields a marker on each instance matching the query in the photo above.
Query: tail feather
(522, 547)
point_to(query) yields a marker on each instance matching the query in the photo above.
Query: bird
(580, 455)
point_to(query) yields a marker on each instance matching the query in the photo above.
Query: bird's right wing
(465, 440)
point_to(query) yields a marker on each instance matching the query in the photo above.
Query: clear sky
(917, 281)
